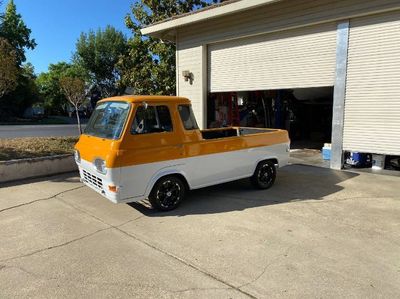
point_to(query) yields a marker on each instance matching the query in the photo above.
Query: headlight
(100, 165)
(77, 156)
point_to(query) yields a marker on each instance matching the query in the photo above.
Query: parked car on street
(138, 147)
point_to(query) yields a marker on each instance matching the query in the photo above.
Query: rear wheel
(264, 175)
(167, 193)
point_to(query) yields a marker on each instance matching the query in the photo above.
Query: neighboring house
(325, 70)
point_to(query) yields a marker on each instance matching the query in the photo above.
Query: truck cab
(138, 147)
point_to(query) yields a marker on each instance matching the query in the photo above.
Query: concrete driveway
(316, 233)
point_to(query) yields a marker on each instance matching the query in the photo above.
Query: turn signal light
(113, 188)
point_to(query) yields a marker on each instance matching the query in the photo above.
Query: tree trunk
(79, 120)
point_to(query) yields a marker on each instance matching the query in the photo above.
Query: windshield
(107, 120)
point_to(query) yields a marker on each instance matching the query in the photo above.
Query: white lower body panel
(135, 182)
(100, 182)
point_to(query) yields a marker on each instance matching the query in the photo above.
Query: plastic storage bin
(357, 159)
(378, 161)
(326, 151)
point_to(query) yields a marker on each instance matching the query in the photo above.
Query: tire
(167, 193)
(264, 175)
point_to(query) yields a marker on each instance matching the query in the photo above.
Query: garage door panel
(372, 104)
(291, 59)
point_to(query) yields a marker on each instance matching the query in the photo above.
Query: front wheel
(264, 175)
(167, 193)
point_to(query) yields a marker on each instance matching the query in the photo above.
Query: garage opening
(305, 112)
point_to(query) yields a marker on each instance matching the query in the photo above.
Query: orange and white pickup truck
(139, 147)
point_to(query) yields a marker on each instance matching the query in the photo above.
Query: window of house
(188, 118)
(153, 119)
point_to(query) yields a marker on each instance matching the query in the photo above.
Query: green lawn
(32, 147)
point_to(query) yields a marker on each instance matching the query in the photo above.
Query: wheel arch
(171, 172)
(273, 159)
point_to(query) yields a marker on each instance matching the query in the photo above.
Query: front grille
(92, 179)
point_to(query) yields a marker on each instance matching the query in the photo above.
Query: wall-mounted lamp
(187, 75)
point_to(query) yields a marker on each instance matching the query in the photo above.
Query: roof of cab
(149, 99)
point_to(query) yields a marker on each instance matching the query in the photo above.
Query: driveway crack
(55, 246)
(180, 260)
(188, 264)
(41, 199)
(97, 218)
(197, 289)
(18, 268)
(273, 261)
(71, 241)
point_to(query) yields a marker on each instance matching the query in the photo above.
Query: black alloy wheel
(264, 175)
(167, 193)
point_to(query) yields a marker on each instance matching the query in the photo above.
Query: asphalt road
(317, 233)
(38, 131)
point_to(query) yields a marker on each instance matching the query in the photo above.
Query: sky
(57, 24)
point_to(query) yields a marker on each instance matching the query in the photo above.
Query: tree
(98, 53)
(48, 83)
(1, 15)
(149, 67)
(25, 94)
(51, 94)
(8, 68)
(75, 91)
(16, 32)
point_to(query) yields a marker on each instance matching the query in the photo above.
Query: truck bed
(232, 132)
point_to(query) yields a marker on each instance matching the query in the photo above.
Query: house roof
(165, 29)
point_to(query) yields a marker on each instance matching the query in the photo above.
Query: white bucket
(378, 161)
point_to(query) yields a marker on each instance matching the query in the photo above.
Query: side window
(164, 117)
(154, 119)
(187, 116)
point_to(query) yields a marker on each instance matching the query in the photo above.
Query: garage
(281, 80)
(372, 104)
(290, 59)
(326, 72)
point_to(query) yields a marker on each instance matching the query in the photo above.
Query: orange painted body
(131, 149)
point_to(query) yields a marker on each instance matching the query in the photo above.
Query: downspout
(176, 62)
(339, 94)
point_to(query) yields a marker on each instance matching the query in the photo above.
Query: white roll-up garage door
(372, 104)
(290, 59)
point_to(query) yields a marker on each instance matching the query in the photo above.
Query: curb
(14, 170)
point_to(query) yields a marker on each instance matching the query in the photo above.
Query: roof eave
(166, 30)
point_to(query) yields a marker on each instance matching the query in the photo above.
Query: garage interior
(306, 113)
